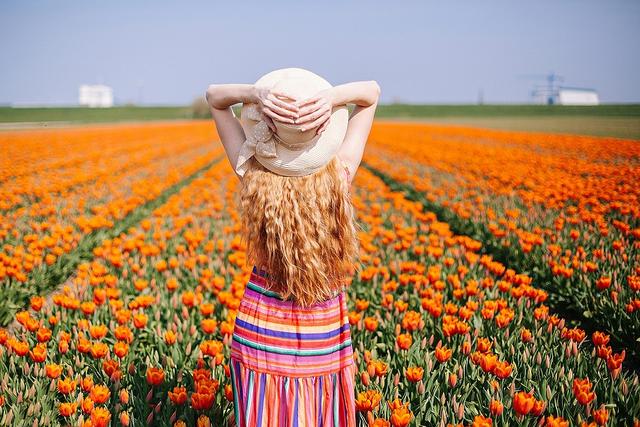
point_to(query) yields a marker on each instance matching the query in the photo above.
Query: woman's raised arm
(316, 111)
(220, 99)
(365, 95)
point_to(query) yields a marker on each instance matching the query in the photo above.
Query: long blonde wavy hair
(301, 230)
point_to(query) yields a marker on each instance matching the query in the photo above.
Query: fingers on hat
(283, 94)
(283, 108)
(316, 122)
(269, 112)
(323, 126)
(308, 101)
(309, 114)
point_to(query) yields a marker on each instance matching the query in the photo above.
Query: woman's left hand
(315, 111)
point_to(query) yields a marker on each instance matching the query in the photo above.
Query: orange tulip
(496, 407)
(404, 341)
(155, 376)
(556, 422)
(443, 354)
(414, 373)
(100, 417)
(502, 369)
(179, 395)
(66, 386)
(100, 394)
(53, 371)
(582, 390)
(121, 349)
(601, 416)
(480, 421)
(401, 417)
(483, 345)
(67, 409)
(208, 326)
(368, 400)
(370, 323)
(523, 402)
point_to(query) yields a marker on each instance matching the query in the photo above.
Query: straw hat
(290, 151)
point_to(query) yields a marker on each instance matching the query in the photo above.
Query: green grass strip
(16, 296)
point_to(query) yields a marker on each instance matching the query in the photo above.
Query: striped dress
(291, 365)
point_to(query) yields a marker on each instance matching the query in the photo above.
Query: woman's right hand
(276, 105)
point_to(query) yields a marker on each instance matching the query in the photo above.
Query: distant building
(577, 96)
(566, 96)
(95, 96)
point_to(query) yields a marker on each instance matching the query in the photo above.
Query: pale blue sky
(162, 52)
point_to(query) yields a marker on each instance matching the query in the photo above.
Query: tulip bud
(371, 370)
(365, 378)
(453, 379)
(124, 418)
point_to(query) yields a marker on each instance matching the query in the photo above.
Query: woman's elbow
(210, 94)
(375, 89)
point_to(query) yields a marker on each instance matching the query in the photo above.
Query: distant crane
(548, 92)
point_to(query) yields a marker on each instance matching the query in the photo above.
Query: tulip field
(498, 281)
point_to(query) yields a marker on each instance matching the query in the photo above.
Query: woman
(296, 150)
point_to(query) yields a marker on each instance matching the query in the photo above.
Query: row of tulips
(129, 331)
(44, 164)
(442, 334)
(564, 208)
(462, 339)
(66, 206)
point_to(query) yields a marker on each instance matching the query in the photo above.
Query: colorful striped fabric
(291, 365)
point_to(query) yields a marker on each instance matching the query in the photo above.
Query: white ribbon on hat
(260, 142)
